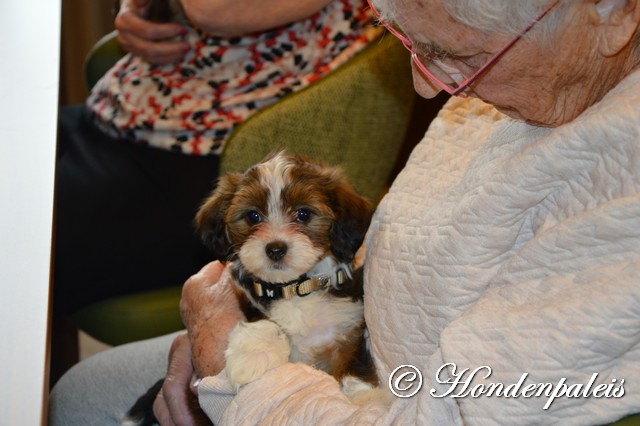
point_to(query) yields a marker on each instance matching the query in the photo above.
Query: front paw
(361, 392)
(255, 348)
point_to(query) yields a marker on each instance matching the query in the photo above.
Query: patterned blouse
(192, 107)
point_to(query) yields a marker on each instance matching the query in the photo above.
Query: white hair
(505, 17)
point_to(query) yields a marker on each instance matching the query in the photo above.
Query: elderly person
(507, 252)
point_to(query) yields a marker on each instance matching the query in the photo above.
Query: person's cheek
(422, 84)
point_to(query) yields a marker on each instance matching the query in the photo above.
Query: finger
(177, 381)
(209, 275)
(210, 287)
(182, 404)
(154, 52)
(161, 411)
(139, 3)
(134, 3)
(130, 22)
(212, 271)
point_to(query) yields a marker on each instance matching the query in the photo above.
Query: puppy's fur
(291, 228)
(289, 220)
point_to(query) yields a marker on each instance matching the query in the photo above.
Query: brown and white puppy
(291, 228)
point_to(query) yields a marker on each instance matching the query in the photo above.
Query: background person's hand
(155, 42)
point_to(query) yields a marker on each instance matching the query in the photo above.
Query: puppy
(290, 228)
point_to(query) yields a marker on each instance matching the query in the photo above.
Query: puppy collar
(300, 287)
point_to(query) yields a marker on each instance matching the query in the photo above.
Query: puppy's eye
(253, 217)
(303, 215)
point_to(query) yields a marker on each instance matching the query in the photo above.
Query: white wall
(29, 52)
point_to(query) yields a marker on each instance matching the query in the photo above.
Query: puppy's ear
(209, 221)
(353, 215)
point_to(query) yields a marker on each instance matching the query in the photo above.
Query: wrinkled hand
(149, 40)
(177, 402)
(210, 310)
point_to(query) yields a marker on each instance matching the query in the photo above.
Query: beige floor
(89, 345)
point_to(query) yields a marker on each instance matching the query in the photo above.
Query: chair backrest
(102, 56)
(355, 117)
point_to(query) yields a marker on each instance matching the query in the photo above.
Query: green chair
(102, 56)
(355, 117)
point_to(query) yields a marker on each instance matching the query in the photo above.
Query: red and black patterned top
(192, 107)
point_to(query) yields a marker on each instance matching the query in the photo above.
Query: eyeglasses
(458, 84)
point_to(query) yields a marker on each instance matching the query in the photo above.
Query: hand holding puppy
(177, 401)
(210, 310)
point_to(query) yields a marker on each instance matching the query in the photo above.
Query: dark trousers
(124, 215)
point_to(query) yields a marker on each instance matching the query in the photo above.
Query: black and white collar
(300, 287)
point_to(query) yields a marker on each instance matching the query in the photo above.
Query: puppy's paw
(255, 348)
(361, 392)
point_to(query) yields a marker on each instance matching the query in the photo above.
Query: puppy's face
(282, 216)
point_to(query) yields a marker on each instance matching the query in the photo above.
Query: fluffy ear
(353, 215)
(209, 221)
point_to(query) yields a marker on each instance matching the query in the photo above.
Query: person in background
(138, 158)
(510, 243)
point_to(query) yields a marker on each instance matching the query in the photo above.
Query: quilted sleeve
(564, 311)
(299, 394)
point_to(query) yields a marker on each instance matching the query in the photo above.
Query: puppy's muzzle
(276, 250)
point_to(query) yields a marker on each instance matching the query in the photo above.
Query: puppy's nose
(276, 250)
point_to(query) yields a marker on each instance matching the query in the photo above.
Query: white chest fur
(315, 320)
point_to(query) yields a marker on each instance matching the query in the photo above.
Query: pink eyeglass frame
(463, 85)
